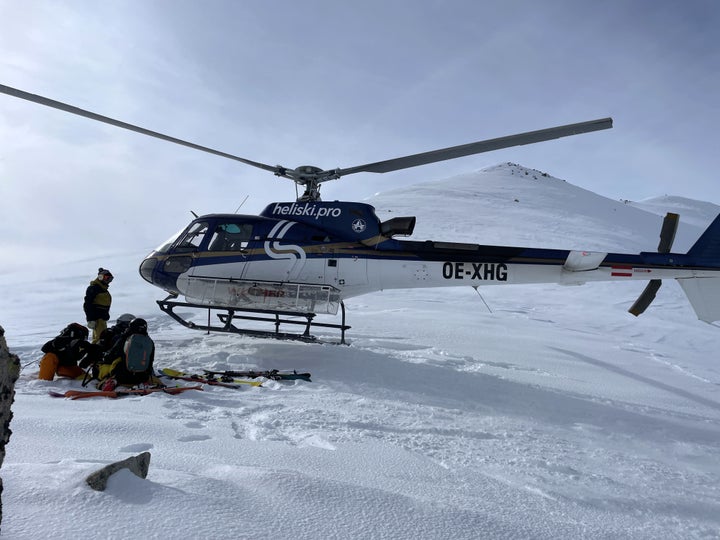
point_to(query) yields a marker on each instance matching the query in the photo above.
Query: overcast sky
(335, 83)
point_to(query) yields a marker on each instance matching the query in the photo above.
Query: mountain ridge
(537, 209)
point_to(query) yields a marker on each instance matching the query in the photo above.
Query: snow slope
(532, 412)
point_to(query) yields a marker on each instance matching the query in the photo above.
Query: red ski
(81, 394)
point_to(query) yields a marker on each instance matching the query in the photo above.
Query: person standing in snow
(97, 303)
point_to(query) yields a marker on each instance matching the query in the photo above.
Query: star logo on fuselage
(358, 225)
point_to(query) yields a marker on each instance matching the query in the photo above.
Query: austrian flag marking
(621, 271)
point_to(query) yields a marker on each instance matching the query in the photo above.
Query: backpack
(135, 364)
(138, 352)
(70, 345)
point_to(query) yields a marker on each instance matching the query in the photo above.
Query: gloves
(91, 325)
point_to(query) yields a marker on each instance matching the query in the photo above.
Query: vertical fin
(708, 245)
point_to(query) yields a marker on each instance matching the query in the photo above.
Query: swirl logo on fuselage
(276, 250)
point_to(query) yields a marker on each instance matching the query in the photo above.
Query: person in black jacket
(97, 303)
(63, 353)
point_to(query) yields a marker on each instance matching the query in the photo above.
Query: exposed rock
(9, 373)
(138, 465)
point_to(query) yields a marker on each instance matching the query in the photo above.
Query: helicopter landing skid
(274, 317)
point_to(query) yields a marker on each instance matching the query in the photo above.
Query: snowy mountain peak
(509, 204)
(516, 169)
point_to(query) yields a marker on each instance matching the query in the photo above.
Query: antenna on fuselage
(481, 298)
(243, 202)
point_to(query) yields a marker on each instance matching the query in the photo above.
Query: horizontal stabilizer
(582, 261)
(704, 296)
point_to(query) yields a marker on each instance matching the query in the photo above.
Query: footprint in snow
(192, 438)
(139, 447)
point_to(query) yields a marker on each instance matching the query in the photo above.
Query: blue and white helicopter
(299, 259)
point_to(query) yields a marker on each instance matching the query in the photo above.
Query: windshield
(169, 242)
(192, 239)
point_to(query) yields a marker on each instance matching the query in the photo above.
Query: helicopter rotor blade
(479, 147)
(312, 177)
(117, 123)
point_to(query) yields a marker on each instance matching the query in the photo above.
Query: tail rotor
(667, 237)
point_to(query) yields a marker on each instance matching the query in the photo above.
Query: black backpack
(70, 345)
(138, 351)
(135, 365)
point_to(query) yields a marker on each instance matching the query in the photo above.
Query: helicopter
(299, 259)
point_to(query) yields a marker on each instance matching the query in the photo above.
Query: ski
(273, 374)
(227, 382)
(117, 393)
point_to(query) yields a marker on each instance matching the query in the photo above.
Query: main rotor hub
(311, 177)
(307, 172)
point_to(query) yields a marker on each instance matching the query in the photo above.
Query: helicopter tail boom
(439, 264)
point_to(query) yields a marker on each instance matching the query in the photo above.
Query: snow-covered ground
(532, 412)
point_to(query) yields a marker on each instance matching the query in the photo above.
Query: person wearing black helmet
(63, 353)
(138, 326)
(130, 361)
(97, 303)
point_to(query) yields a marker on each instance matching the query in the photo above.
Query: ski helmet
(75, 331)
(105, 275)
(138, 326)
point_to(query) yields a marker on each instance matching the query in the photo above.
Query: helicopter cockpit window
(231, 237)
(162, 248)
(192, 238)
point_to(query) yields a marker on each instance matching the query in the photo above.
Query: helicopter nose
(153, 270)
(147, 269)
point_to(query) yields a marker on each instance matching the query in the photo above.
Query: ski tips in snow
(211, 380)
(273, 374)
(229, 377)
